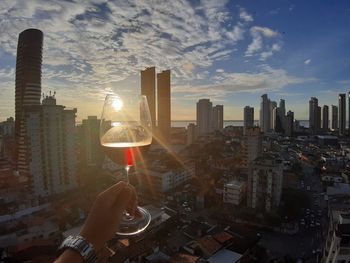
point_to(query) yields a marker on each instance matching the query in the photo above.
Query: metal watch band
(79, 244)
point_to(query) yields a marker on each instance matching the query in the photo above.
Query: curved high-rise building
(28, 87)
(28, 72)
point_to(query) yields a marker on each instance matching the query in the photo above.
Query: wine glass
(125, 134)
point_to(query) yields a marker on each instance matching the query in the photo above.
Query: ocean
(304, 123)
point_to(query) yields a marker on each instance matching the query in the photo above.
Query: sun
(117, 104)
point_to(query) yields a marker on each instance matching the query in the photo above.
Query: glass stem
(127, 216)
(127, 168)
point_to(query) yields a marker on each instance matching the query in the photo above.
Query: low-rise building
(159, 180)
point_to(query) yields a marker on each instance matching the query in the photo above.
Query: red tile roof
(183, 258)
(209, 245)
(222, 237)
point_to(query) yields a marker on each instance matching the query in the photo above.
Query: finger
(110, 195)
(122, 199)
(132, 204)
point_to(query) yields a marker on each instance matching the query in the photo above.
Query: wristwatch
(80, 245)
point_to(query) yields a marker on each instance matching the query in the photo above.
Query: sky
(229, 51)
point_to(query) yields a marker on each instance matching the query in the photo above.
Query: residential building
(7, 139)
(349, 113)
(314, 116)
(148, 89)
(264, 187)
(51, 140)
(273, 108)
(7, 128)
(279, 117)
(265, 117)
(191, 133)
(218, 117)
(289, 124)
(156, 181)
(334, 117)
(164, 105)
(252, 146)
(90, 147)
(234, 192)
(319, 116)
(325, 118)
(248, 116)
(342, 114)
(204, 116)
(337, 246)
(28, 87)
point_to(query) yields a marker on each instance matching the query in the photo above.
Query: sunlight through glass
(117, 104)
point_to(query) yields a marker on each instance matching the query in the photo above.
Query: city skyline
(229, 53)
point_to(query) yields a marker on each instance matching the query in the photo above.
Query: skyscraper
(28, 72)
(289, 124)
(191, 133)
(319, 116)
(148, 88)
(264, 113)
(164, 106)
(314, 122)
(334, 117)
(52, 147)
(273, 108)
(248, 118)
(325, 118)
(90, 147)
(342, 113)
(349, 113)
(218, 117)
(282, 106)
(279, 115)
(204, 118)
(252, 145)
(28, 87)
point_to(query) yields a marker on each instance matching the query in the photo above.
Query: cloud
(265, 31)
(267, 79)
(96, 46)
(236, 34)
(270, 51)
(259, 34)
(307, 62)
(245, 16)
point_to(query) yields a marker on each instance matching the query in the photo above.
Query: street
(307, 244)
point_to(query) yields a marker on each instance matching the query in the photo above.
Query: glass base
(130, 225)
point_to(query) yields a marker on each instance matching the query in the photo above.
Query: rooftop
(225, 256)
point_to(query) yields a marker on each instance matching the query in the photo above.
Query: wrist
(81, 246)
(91, 239)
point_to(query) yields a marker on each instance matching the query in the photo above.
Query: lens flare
(117, 104)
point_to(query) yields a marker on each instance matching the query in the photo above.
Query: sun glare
(117, 104)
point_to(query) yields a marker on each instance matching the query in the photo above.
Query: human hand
(106, 212)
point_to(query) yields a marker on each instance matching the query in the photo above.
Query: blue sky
(229, 51)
